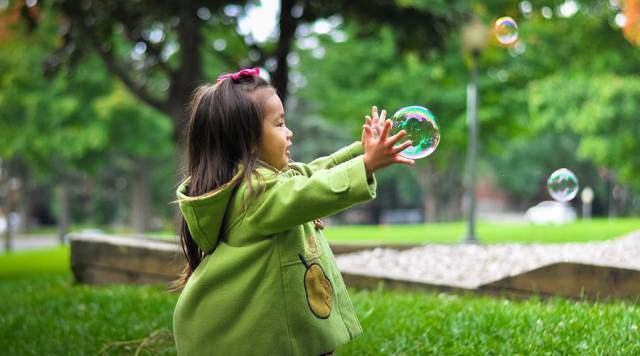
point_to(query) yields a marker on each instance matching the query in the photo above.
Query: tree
(359, 72)
(602, 110)
(45, 122)
(146, 43)
(558, 50)
(74, 124)
(140, 140)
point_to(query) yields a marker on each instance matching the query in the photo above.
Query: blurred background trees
(92, 98)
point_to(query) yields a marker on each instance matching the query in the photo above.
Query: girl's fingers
(374, 113)
(402, 147)
(367, 131)
(400, 159)
(385, 130)
(383, 115)
(395, 138)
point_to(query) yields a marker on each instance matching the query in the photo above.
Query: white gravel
(469, 266)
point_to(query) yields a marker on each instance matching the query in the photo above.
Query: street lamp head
(587, 195)
(474, 36)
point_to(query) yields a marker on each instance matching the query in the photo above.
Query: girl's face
(276, 137)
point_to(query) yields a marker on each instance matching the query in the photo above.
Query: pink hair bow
(240, 74)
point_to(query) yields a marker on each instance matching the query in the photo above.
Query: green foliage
(534, 98)
(526, 163)
(559, 65)
(79, 123)
(359, 73)
(73, 117)
(135, 129)
(375, 70)
(137, 135)
(602, 110)
(397, 185)
(47, 120)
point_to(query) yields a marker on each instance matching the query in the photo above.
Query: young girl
(261, 278)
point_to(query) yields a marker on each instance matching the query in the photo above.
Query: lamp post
(474, 39)
(587, 199)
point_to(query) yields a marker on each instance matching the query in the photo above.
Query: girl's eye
(281, 124)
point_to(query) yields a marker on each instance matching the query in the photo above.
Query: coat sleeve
(290, 200)
(344, 154)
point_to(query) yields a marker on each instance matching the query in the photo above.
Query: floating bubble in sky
(421, 128)
(562, 185)
(506, 30)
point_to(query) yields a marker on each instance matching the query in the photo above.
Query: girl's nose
(289, 134)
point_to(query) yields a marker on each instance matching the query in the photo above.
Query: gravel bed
(469, 266)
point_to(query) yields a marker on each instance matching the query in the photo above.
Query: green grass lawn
(26, 264)
(49, 315)
(580, 231)
(43, 312)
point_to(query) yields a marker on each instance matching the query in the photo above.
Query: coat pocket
(318, 289)
(314, 321)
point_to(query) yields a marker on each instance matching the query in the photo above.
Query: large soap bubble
(421, 128)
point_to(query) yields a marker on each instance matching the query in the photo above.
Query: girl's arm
(352, 151)
(289, 200)
(342, 155)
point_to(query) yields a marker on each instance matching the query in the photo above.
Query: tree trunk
(287, 26)
(63, 218)
(5, 209)
(178, 114)
(428, 184)
(25, 202)
(181, 157)
(8, 234)
(139, 197)
(23, 210)
(190, 74)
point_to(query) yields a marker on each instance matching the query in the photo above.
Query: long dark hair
(224, 130)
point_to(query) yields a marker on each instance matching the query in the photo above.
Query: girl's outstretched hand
(379, 151)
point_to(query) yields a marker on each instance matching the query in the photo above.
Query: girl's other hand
(380, 152)
(376, 122)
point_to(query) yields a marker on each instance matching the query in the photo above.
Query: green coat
(271, 286)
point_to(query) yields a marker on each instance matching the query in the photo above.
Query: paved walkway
(31, 242)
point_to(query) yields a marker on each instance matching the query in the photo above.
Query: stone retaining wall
(106, 259)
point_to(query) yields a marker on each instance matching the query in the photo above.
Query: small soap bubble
(506, 30)
(421, 128)
(562, 185)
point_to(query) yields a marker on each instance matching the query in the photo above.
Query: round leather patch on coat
(319, 291)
